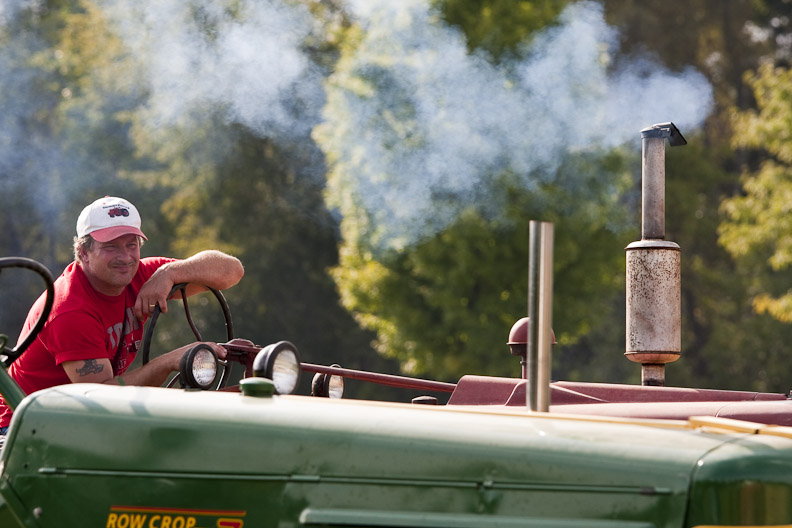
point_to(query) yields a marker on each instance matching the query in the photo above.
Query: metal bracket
(665, 130)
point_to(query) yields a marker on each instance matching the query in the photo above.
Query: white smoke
(28, 154)
(10, 8)
(436, 122)
(205, 55)
(193, 60)
(441, 121)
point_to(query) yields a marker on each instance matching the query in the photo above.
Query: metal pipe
(653, 374)
(540, 316)
(653, 188)
(249, 349)
(382, 379)
(545, 322)
(653, 333)
(532, 353)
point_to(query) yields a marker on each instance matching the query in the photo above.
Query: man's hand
(153, 293)
(155, 372)
(174, 356)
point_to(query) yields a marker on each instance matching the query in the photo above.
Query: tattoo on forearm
(90, 367)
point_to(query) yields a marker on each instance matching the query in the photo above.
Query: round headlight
(328, 385)
(198, 367)
(335, 387)
(279, 362)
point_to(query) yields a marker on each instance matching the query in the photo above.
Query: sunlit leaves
(758, 226)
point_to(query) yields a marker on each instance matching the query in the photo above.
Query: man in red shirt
(101, 302)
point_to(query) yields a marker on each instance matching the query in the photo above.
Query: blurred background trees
(262, 148)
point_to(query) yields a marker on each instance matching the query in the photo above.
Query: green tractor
(254, 454)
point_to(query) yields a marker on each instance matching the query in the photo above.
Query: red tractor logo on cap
(118, 211)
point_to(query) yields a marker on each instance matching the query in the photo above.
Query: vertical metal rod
(653, 188)
(540, 316)
(545, 320)
(532, 353)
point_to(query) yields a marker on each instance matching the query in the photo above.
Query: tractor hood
(139, 452)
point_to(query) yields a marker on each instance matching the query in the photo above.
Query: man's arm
(209, 268)
(152, 374)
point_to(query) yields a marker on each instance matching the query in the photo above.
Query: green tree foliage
(420, 320)
(500, 27)
(58, 142)
(758, 229)
(725, 343)
(445, 305)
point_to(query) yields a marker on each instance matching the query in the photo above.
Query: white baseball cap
(108, 218)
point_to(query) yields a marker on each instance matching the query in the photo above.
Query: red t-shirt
(83, 324)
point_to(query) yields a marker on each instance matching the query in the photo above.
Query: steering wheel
(182, 288)
(10, 355)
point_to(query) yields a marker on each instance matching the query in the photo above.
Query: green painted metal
(254, 386)
(746, 482)
(132, 457)
(7, 517)
(152, 456)
(9, 389)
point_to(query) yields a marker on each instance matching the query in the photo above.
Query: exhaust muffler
(654, 285)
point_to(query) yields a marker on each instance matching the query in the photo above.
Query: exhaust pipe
(540, 335)
(654, 291)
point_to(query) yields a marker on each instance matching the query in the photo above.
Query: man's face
(111, 265)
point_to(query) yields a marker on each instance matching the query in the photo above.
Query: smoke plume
(204, 55)
(437, 123)
(443, 121)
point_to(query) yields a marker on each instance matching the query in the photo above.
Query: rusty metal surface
(653, 305)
